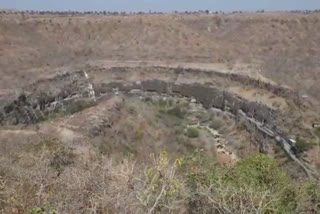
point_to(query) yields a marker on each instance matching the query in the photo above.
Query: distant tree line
(115, 13)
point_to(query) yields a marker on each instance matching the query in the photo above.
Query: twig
(157, 200)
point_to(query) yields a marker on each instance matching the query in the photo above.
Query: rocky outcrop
(46, 97)
(209, 97)
(55, 94)
(174, 73)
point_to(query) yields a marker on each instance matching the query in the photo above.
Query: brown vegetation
(111, 92)
(285, 41)
(43, 181)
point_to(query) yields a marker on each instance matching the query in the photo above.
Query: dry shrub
(161, 189)
(37, 184)
(193, 184)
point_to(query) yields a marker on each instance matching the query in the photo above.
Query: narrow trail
(215, 67)
(286, 145)
(220, 142)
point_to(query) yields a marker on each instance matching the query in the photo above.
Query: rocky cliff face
(46, 97)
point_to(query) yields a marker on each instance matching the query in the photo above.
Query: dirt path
(18, 132)
(242, 69)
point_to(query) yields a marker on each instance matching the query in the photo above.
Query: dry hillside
(159, 113)
(284, 45)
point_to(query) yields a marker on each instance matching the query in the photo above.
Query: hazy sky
(159, 5)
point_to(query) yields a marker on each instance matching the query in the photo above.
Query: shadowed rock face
(174, 73)
(155, 86)
(45, 97)
(209, 97)
(32, 108)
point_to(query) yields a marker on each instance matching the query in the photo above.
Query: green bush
(308, 197)
(170, 102)
(58, 155)
(49, 145)
(131, 109)
(302, 146)
(192, 132)
(79, 105)
(62, 158)
(105, 148)
(41, 210)
(255, 184)
(70, 108)
(317, 132)
(260, 171)
(182, 140)
(177, 112)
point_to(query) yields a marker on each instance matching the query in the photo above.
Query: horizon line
(155, 11)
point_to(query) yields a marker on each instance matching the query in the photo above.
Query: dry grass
(52, 41)
(97, 184)
(113, 174)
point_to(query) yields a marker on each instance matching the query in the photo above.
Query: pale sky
(160, 5)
